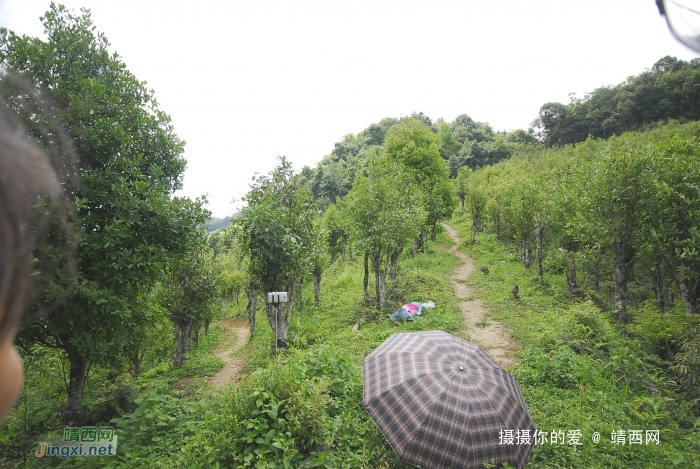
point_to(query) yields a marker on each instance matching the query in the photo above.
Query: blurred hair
(31, 197)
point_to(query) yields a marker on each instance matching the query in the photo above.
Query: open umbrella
(443, 402)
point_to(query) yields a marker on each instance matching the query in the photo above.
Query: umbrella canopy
(442, 402)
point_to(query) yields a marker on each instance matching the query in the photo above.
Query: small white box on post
(275, 298)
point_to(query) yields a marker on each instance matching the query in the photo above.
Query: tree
(448, 145)
(412, 144)
(674, 215)
(384, 212)
(277, 229)
(231, 284)
(188, 294)
(130, 163)
(319, 255)
(615, 190)
(335, 226)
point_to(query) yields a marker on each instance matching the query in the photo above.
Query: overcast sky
(246, 81)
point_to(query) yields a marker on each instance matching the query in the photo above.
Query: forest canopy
(670, 89)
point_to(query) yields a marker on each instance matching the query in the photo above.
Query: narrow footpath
(486, 332)
(232, 365)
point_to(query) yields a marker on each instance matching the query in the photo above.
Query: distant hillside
(669, 90)
(218, 223)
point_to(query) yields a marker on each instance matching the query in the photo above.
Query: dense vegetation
(591, 252)
(669, 90)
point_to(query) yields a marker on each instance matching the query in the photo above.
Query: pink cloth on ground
(413, 309)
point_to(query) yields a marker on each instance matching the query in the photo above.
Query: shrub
(587, 326)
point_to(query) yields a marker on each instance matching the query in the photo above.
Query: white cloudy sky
(246, 81)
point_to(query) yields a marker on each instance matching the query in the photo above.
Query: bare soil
(489, 334)
(232, 364)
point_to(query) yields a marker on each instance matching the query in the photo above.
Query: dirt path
(489, 333)
(232, 365)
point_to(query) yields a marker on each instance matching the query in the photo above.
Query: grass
(580, 370)
(577, 370)
(314, 389)
(422, 278)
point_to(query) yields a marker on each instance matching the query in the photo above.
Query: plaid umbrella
(443, 402)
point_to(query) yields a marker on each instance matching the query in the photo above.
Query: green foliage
(580, 369)
(659, 331)
(129, 225)
(384, 212)
(161, 417)
(325, 361)
(669, 90)
(587, 326)
(416, 147)
(277, 228)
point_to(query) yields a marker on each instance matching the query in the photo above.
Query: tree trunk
(251, 308)
(415, 245)
(658, 279)
(76, 386)
(393, 265)
(539, 230)
(621, 277)
(571, 276)
(670, 299)
(317, 285)
(350, 254)
(196, 337)
(365, 282)
(238, 303)
(425, 242)
(473, 231)
(136, 361)
(345, 245)
(206, 327)
(433, 233)
(182, 338)
(382, 290)
(684, 291)
(378, 284)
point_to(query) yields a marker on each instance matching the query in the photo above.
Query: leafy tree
(231, 284)
(277, 230)
(674, 214)
(319, 256)
(384, 212)
(615, 189)
(130, 163)
(188, 293)
(412, 144)
(337, 234)
(448, 145)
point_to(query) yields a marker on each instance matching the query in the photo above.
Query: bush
(587, 326)
(560, 368)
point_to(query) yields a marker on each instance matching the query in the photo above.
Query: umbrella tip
(461, 368)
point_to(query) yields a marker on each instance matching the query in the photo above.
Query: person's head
(25, 174)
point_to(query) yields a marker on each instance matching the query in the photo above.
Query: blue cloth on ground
(402, 315)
